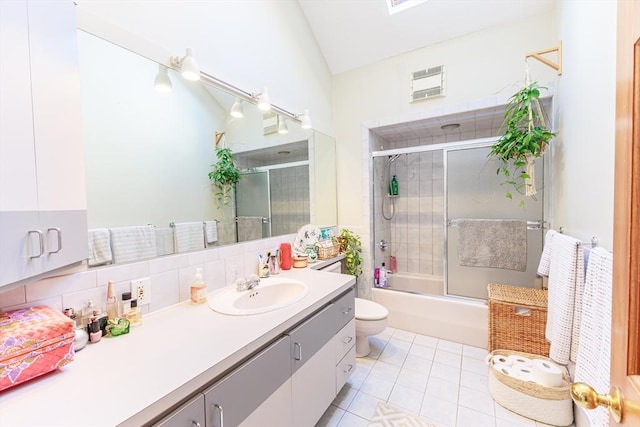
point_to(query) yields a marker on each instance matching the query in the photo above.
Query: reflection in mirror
(148, 155)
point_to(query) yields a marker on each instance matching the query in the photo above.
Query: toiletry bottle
(376, 277)
(263, 266)
(125, 306)
(383, 276)
(394, 186)
(394, 264)
(198, 289)
(134, 316)
(285, 256)
(112, 305)
(274, 265)
(96, 332)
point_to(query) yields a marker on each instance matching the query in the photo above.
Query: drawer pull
(347, 340)
(348, 310)
(299, 356)
(350, 367)
(59, 233)
(41, 245)
(219, 408)
(195, 423)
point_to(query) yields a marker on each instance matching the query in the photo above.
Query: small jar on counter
(134, 316)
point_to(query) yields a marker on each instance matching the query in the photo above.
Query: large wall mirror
(148, 155)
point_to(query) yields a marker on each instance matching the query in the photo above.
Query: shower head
(393, 158)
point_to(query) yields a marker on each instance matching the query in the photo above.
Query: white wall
(583, 154)
(247, 44)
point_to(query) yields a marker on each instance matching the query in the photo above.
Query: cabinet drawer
(237, 395)
(345, 339)
(344, 309)
(311, 336)
(345, 368)
(191, 414)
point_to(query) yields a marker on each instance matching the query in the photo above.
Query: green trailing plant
(224, 174)
(351, 246)
(525, 138)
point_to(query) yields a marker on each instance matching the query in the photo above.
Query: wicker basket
(328, 251)
(549, 405)
(517, 319)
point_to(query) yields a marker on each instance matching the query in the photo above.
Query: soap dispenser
(198, 288)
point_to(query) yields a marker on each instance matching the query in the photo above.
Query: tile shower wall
(417, 227)
(289, 199)
(170, 276)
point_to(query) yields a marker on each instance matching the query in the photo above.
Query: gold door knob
(585, 396)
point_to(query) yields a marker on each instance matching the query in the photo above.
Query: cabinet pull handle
(41, 240)
(346, 371)
(348, 310)
(195, 423)
(347, 340)
(299, 357)
(219, 408)
(59, 233)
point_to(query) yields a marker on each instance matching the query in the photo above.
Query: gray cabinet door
(310, 336)
(235, 397)
(191, 414)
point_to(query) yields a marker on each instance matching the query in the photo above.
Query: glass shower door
(253, 206)
(474, 191)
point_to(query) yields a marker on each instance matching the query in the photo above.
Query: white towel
(249, 228)
(545, 258)
(133, 243)
(189, 236)
(164, 241)
(211, 231)
(566, 284)
(594, 352)
(99, 247)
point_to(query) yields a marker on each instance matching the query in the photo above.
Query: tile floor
(443, 382)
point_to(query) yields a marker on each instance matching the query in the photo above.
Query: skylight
(396, 6)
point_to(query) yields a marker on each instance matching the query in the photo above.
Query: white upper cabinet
(42, 185)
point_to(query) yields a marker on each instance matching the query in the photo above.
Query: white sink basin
(271, 294)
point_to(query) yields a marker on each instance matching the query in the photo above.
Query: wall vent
(269, 123)
(427, 83)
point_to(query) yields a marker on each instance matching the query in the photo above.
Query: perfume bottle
(125, 305)
(112, 305)
(134, 316)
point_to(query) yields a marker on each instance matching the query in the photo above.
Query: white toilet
(371, 319)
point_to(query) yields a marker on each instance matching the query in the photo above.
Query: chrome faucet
(247, 283)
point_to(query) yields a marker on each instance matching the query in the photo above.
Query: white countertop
(130, 379)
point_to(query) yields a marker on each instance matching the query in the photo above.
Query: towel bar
(531, 225)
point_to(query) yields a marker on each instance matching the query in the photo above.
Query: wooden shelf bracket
(555, 65)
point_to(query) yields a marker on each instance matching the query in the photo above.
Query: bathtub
(420, 283)
(448, 318)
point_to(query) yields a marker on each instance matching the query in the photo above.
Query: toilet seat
(369, 310)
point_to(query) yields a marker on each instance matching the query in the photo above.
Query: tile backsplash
(170, 277)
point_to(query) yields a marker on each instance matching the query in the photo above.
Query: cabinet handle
(41, 240)
(346, 371)
(347, 340)
(195, 423)
(348, 310)
(219, 408)
(299, 351)
(59, 233)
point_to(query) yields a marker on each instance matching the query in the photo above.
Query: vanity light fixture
(282, 125)
(188, 65)
(262, 98)
(163, 82)
(305, 120)
(236, 110)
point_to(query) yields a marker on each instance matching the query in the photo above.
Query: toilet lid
(369, 310)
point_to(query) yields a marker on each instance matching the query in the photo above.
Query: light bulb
(190, 69)
(305, 120)
(163, 82)
(264, 103)
(237, 110)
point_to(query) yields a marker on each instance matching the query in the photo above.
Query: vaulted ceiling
(355, 33)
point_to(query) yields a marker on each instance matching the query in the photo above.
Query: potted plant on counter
(351, 246)
(224, 175)
(526, 138)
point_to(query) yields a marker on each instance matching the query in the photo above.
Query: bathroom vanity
(188, 364)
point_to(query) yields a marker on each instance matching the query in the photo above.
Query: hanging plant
(351, 246)
(224, 174)
(525, 139)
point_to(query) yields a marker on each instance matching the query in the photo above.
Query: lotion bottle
(198, 288)
(383, 276)
(112, 304)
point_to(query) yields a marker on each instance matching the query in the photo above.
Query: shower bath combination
(440, 184)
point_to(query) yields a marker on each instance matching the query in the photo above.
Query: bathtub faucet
(383, 245)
